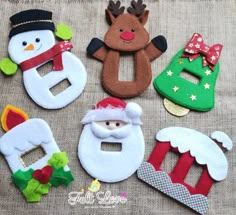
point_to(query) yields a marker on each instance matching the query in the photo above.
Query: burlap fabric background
(177, 20)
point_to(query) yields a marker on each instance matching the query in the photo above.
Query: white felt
(38, 87)
(22, 138)
(204, 149)
(110, 166)
(222, 138)
(103, 114)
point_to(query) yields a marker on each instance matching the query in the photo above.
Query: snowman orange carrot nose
(29, 47)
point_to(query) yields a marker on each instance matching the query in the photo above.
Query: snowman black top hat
(31, 20)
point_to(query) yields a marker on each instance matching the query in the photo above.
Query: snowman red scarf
(55, 52)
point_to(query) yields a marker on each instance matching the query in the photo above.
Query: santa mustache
(118, 133)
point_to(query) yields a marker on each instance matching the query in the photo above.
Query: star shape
(213, 57)
(180, 62)
(190, 45)
(169, 73)
(207, 86)
(197, 46)
(193, 97)
(175, 88)
(207, 72)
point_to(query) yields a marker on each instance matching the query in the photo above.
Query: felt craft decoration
(112, 122)
(126, 34)
(192, 147)
(24, 136)
(32, 44)
(199, 60)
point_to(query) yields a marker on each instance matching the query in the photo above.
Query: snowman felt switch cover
(32, 44)
(111, 146)
(192, 147)
(25, 136)
(198, 60)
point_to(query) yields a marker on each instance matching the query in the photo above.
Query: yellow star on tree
(180, 62)
(169, 73)
(175, 89)
(207, 86)
(193, 97)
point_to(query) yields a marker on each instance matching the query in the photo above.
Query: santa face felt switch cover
(116, 124)
(197, 60)
(32, 44)
(192, 147)
(25, 136)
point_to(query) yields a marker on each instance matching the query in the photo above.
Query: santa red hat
(114, 109)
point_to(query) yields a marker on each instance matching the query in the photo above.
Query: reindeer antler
(137, 8)
(115, 8)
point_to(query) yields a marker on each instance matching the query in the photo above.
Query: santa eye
(24, 43)
(117, 124)
(107, 123)
(37, 40)
(132, 29)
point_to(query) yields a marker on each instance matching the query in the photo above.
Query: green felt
(164, 83)
(58, 160)
(21, 178)
(61, 177)
(63, 32)
(35, 190)
(8, 67)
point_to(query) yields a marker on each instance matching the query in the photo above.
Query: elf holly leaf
(58, 160)
(60, 176)
(8, 67)
(21, 178)
(35, 190)
(63, 32)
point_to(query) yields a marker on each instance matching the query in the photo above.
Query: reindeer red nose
(126, 35)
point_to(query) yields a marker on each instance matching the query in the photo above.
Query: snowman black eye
(24, 43)
(37, 40)
(107, 123)
(117, 124)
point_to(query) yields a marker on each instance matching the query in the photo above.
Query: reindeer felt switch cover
(192, 147)
(24, 137)
(126, 34)
(32, 44)
(111, 146)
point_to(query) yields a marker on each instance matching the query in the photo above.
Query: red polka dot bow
(196, 47)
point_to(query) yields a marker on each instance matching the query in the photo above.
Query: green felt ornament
(63, 32)
(35, 190)
(58, 160)
(171, 85)
(22, 178)
(61, 177)
(8, 67)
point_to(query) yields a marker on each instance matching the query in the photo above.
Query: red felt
(111, 101)
(43, 175)
(128, 36)
(13, 119)
(181, 168)
(53, 53)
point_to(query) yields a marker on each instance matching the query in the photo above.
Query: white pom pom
(222, 138)
(133, 110)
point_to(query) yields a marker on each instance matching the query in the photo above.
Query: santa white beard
(111, 166)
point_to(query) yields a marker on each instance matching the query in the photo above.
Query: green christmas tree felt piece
(171, 85)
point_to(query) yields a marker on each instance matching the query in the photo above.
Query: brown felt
(137, 46)
(101, 54)
(126, 89)
(152, 52)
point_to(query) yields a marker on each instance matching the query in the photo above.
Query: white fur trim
(222, 138)
(110, 114)
(133, 110)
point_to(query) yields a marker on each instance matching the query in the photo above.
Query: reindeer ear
(144, 17)
(110, 18)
